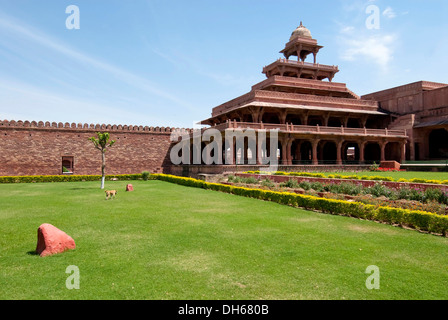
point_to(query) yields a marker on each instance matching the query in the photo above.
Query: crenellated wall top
(12, 124)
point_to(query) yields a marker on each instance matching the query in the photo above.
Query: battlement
(5, 124)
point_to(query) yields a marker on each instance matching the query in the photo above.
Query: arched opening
(315, 121)
(438, 144)
(373, 123)
(372, 153)
(353, 123)
(67, 164)
(306, 152)
(351, 153)
(393, 152)
(334, 122)
(295, 152)
(271, 118)
(329, 152)
(294, 119)
(248, 118)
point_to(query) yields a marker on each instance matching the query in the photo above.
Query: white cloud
(377, 49)
(389, 13)
(347, 30)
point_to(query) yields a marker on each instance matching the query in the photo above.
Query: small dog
(110, 194)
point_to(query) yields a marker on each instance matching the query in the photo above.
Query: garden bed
(411, 196)
(364, 181)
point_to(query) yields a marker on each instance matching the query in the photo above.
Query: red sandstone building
(323, 122)
(320, 122)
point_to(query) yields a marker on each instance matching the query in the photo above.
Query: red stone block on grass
(51, 240)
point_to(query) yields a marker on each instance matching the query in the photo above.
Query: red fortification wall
(31, 148)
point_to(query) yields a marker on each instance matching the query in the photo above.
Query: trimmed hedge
(419, 220)
(66, 178)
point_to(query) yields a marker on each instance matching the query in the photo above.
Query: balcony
(315, 130)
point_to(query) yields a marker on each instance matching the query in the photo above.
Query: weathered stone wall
(412, 98)
(31, 148)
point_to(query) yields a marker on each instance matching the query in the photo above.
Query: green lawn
(165, 241)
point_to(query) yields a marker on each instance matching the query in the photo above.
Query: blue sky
(168, 63)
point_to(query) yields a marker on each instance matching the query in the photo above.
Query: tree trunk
(103, 169)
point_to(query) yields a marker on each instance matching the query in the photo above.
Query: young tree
(102, 142)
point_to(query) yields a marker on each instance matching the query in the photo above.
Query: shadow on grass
(32, 253)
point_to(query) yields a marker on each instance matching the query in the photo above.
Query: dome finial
(301, 31)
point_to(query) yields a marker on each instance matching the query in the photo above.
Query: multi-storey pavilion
(319, 121)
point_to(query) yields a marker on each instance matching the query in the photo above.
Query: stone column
(411, 150)
(403, 152)
(304, 119)
(326, 117)
(233, 152)
(339, 152)
(362, 147)
(363, 121)
(260, 148)
(284, 156)
(289, 150)
(282, 116)
(383, 150)
(315, 144)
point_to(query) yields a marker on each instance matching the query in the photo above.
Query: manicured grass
(165, 241)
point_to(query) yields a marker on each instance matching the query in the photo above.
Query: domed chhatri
(301, 32)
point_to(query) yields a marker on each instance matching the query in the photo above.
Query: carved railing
(290, 128)
(309, 64)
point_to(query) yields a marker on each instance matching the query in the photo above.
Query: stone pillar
(339, 152)
(260, 148)
(226, 153)
(282, 116)
(304, 119)
(411, 150)
(289, 150)
(383, 150)
(403, 152)
(315, 144)
(363, 121)
(326, 117)
(362, 147)
(233, 152)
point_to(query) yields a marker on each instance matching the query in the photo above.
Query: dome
(302, 32)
